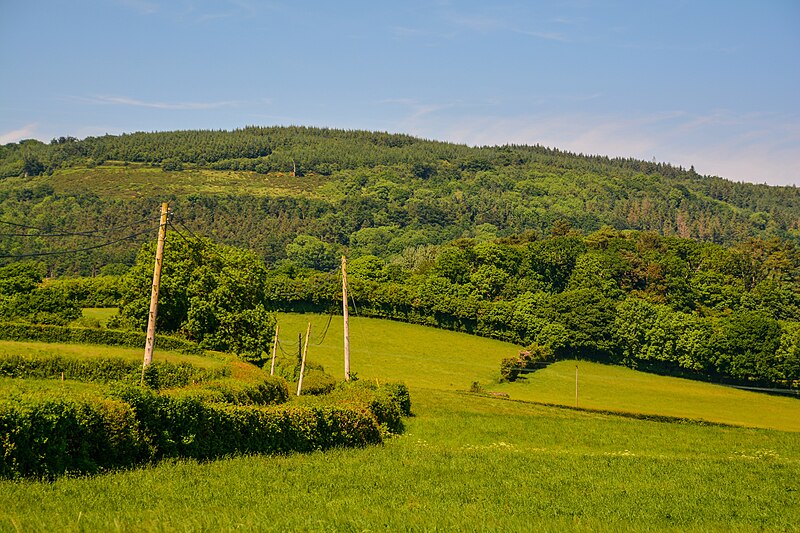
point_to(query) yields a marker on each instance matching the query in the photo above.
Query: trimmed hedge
(157, 375)
(11, 331)
(387, 403)
(48, 438)
(273, 390)
(187, 427)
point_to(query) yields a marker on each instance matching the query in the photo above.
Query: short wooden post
(274, 352)
(303, 362)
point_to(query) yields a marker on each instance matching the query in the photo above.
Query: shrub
(317, 382)
(387, 403)
(273, 390)
(48, 438)
(527, 361)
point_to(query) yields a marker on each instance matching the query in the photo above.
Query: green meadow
(469, 461)
(445, 360)
(136, 180)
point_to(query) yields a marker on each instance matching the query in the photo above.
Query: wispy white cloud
(126, 101)
(143, 7)
(548, 36)
(748, 147)
(194, 11)
(26, 132)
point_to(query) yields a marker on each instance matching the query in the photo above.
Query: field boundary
(623, 414)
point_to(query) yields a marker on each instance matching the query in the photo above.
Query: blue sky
(713, 84)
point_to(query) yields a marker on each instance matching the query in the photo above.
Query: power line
(87, 233)
(65, 252)
(325, 333)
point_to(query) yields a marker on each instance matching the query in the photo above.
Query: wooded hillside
(363, 192)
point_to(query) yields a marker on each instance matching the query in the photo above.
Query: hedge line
(273, 390)
(52, 437)
(388, 403)
(158, 375)
(11, 331)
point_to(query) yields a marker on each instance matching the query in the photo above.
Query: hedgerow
(272, 390)
(11, 331)
(387, 403)
(45, 438)
(157, 375)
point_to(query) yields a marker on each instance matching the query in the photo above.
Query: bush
(273, 390)
(187, 427)
(387, 403)
(317, 382)
(527, 361)
(48, 438)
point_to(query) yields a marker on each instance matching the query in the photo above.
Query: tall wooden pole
(346, 321)
(576, 385)
(151, 319)
(274, 352)
(303, 362)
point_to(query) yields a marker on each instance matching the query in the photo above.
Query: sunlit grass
(416, 355)
(101, 314)
(434, 358)
(623, 389)
(138, 180)
(47, 349)
(465, 463)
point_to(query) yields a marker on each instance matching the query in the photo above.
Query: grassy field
(43, 349)
(138, 180)
(101, 314)
(434, 358)
(466, 461)
(416, 355)
(622, 389)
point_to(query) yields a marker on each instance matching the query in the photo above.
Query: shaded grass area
(466, 462)
(101, 314)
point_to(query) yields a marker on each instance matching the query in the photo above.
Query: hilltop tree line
(381, 194)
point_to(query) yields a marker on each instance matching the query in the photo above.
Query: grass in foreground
(465, 463)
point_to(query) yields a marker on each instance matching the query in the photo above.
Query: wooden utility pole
(303, 362)
(151, 319)
(274, 352)
(346, 321)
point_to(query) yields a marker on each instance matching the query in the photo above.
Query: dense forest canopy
(362, 192)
